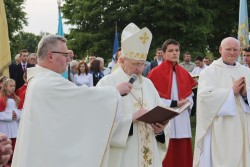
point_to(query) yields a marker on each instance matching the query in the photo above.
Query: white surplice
(223, 119)
(9, 126)
(141, 149)
(64, 125)
(180, 125)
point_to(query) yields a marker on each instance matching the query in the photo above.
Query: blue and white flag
(116, 46)
(243, 35)
(60, 23)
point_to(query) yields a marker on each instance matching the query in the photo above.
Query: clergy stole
(144, 131)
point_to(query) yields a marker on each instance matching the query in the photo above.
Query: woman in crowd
(83, 77)
(95, 69)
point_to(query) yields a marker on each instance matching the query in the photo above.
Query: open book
(162, 115)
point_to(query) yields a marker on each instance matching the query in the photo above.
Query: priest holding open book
(135, 143)
(174, 85)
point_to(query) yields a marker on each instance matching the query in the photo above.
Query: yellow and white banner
(5, 57)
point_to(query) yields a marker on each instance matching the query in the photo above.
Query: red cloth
(22, 98)
(21, 89)
(2, 103)
(179, 153)
(162, 76)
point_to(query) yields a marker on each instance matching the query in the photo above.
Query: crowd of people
(64, 122)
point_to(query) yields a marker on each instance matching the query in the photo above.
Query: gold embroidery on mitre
(133, 55)
(144, 38)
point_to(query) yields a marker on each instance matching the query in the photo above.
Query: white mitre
(135, 42)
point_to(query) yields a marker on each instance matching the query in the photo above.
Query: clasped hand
(239, 86)
(5, 149)
(181, 102)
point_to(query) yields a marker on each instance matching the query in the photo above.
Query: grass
(193, 126)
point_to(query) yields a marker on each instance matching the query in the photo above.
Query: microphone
(132, 79)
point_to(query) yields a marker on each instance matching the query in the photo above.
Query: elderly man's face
(131, 66)
(32, 59)
(60, 59)
(229, 50)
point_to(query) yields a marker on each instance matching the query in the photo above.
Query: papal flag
(5, 57)
(243, 34)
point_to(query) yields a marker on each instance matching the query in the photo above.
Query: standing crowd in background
(51, 86)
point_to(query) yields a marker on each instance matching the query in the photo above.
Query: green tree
(198, 25)
(24, 40)
(16, 17)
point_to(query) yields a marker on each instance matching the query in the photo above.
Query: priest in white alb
(135, 143)
(61, 126)
(223, 112)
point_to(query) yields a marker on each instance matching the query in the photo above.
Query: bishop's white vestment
(140, 149)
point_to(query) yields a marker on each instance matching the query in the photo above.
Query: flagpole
(115, 27)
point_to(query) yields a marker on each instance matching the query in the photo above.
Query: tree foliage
(24, 40)
(16, 17)
(198, 25)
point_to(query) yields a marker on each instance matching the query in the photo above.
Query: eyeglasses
(232, 49)
(137, 65)
(62, 53)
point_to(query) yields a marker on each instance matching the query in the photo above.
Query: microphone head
(132, 79)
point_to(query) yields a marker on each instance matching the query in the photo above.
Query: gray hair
(32, 54)
(17, 56)
(48, 43)
(73, 63)
(100, 59)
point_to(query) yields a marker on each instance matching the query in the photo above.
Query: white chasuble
(223, 119)
(141, 148)
(61, 125)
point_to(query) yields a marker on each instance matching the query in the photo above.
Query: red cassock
(21, 94)
(179, 153)
(21, 89)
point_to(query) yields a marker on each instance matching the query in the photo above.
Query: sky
(42, 16)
